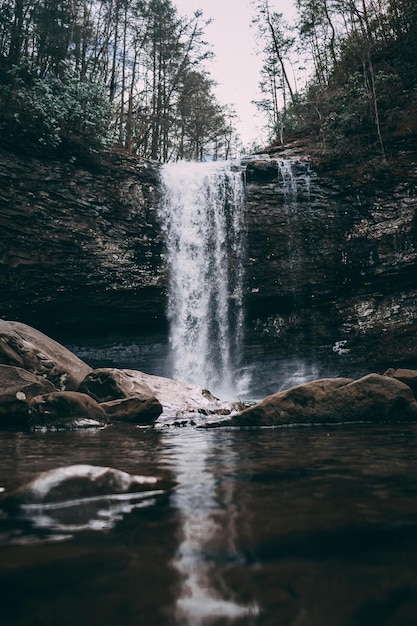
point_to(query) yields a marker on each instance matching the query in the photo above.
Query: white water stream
(202, 218)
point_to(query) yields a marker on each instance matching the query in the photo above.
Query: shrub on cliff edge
(52, 113)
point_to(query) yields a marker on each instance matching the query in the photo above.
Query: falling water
(287, 178)
(202, 220)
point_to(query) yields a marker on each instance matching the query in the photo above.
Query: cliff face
(328, 261)
(80, 247)
(330, 265)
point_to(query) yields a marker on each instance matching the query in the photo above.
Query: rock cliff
(331, 257)
(79, 244)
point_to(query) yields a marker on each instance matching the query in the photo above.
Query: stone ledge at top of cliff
(346, 174)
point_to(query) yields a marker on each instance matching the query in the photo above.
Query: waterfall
(287, 178)
(202, 220)
(288, 172)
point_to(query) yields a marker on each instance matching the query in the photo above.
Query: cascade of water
(287, 178)
(202, 219)
(288, 172)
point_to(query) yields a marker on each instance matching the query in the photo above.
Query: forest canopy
(79, 75)
(362, 96)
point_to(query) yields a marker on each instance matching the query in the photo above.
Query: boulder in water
(66, 409)
(80, 481)
(409, 377)
(373, 398)
(176, 398)
(26, 347)
(138, 409)
(17, 388)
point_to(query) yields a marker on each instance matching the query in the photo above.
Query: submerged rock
(81, 497)
(26, 347)
(373, 398)
(79, 481)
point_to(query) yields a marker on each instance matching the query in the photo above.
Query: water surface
(293, 526)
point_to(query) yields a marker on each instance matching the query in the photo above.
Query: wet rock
(140, 409)
(409, 377)
(17, 389)
(106, 384)
(66, 409)
(96, 262)
(328, 261)
(373, 398)
(28, 348)
(176, 397)
(79, 481)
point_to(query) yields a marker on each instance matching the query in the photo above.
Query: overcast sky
(235, 67)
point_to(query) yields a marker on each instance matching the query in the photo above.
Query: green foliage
(72, 69)
(361, 98)
(202, 122)
(54, 113)
(291, 121)
(343, 115)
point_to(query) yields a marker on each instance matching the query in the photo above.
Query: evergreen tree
(130, 60)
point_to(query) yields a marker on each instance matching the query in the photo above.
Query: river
(292, 526)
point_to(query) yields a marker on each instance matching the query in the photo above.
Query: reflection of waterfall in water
(202, 219)
(206, 504)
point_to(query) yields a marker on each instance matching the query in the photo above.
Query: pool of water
(279, 527)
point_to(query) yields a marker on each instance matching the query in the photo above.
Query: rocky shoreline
(44, 385)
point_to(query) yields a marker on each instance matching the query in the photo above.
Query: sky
(236, 67)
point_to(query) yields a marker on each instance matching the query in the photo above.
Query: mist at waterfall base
(261, 374)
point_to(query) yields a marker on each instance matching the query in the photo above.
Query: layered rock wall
(80, 245)
(330, 264)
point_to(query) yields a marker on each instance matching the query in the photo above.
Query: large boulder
(176, 398)
(66, 409)
(409, 377)
(28, 348)
(371, 398)
(17, 388)
(139, 409)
